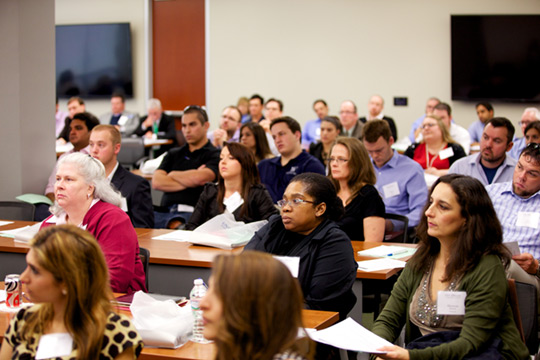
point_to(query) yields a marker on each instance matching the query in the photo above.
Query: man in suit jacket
(137, 199)
(348, 115)
(125, 121)
(158, 125)
(375, 108)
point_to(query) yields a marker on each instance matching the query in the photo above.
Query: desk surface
(312, 319)
(184, 254)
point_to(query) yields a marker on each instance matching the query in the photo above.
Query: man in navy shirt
(276, 173)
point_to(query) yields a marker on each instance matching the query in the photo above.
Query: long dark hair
(262, 149)
(250, 175)
(481, 235)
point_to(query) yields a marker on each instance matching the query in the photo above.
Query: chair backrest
(17, 210)
(131, 151)
(514, 304)
(144, 254)
(401, 224)
(527, 310)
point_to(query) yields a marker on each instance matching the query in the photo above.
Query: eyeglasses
(427, 126)
(293, 202)
(337, 160)
(533, 146)
(524, 123)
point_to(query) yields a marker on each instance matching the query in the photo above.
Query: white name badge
(233, 202)
(446, 153)
(451, 302)
(123, 204)
(123, 120)
(391, 190)
(528, 219)
(54, 345)
(291, 262)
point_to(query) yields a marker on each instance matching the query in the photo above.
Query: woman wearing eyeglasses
(353, 176)
(437, 151)
(239, 190)
(306, 229)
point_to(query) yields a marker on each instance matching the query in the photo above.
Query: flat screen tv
(93, 60)
(496, 57)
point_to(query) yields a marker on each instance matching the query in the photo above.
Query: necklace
(426, 311)
(428, 162)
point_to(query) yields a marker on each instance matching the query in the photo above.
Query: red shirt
(435, 160)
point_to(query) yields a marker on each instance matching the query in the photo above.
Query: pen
(402, 251)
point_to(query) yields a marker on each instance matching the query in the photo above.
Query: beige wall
(26, 96)
(306, 49)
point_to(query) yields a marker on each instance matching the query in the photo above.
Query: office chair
(131, 153)
(524, 307)
(16, 210)
(401, 223)
(144, 254)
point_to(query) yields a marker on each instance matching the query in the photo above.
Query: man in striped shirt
(518, 208)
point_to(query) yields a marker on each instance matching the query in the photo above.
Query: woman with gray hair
(85, 198)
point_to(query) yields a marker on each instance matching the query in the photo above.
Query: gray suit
(128, 122)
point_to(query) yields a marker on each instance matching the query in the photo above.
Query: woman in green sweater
(455, 281)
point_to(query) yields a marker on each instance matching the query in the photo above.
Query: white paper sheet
(513, 247)
(350, 335)
(291, 262)
(2, 223)
(380, 264)
(11, 233)
(386, 251)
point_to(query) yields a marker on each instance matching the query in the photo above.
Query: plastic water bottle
(195, 297)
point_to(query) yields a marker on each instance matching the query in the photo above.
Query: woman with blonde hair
(67, 278)
(437, 151)
(253, 309)
(353, 176)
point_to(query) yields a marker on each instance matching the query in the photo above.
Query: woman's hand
(393, 352)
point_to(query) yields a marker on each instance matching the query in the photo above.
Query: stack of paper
(388, 251)
(380, 264)
(22, 234)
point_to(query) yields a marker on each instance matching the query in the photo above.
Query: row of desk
(174, 265)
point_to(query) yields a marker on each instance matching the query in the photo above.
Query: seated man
(79, 136)
(255, 109)
(312, 129)
(157, 125)
(185, 170)
(517, 204)
(348, 115)
(491, 164)
(105, 143)
(484, 110)
(75, 105)
(400, 180)
(229, 127)
(125, 121)
(276, 173)
(529, 115)
(375, 108)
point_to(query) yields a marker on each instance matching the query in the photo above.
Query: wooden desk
(148, 143)
(191, 351)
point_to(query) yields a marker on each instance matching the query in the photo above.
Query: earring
(64, 292)
(88, 196)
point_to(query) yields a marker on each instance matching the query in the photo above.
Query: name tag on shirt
(123, 204)
(446, 153)
(123, 120)
(528, 219)
(54, 345)
(391, 190)
(451, 302)
(291, 262)
(233, 202)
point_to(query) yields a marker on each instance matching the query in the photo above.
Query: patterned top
(288, 356)
(119, 335)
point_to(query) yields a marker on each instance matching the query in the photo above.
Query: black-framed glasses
(293, 202)
(533, 146)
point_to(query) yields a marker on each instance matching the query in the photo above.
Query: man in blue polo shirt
(276, 173)
(400, 180)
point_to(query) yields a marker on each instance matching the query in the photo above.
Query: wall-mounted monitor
(496, 57)
(93, 60)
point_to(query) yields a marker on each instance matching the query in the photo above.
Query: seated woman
(66, 276)
(306, 229)
(253, 309)
(238, 176)
(460, 249)
(330, 130)
(353, 177)
(252, 135)
(532, 133)
(85, 198)
(437, 151)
